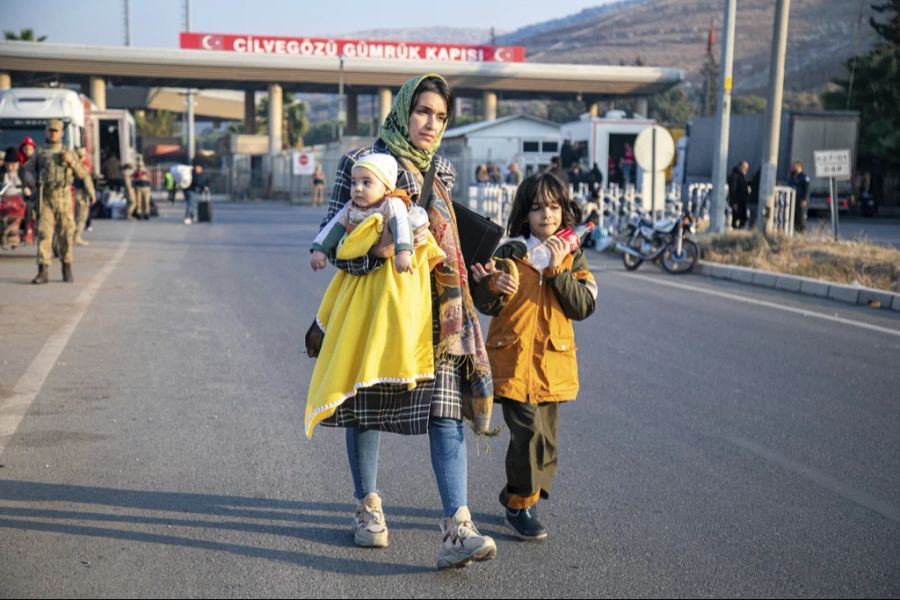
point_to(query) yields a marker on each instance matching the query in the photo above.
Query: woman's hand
(558, 251)
(420, 235)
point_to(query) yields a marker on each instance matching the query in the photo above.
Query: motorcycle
(12, 212)
(665, 242)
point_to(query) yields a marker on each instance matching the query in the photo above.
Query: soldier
(85, 196)
(140, 181)
(53, 173)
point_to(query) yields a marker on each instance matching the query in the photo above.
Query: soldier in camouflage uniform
(85, 196)
(53, 170)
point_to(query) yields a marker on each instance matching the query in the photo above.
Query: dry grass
(852, 261)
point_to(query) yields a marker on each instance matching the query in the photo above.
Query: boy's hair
(546, 187)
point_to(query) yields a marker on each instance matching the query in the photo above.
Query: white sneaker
(462, 542)
(187, 221)
(370, 530)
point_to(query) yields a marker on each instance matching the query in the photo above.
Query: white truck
(597, 139)
(24, 112)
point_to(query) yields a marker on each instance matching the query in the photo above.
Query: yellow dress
(377, 326)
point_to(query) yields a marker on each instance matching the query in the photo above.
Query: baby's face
(365, 188)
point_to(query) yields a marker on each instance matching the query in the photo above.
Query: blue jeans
(448, 459)
(188, 211)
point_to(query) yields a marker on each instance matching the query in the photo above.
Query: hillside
(673, 33)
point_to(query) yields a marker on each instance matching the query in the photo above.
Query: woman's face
(427, 119)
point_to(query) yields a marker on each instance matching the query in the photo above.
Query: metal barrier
(783, 217)
(216, 179)
(492, 200)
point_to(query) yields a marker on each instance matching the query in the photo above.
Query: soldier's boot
(80, 241)
(42, 276)
(67, 272)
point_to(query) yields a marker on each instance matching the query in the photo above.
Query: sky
(156, 23)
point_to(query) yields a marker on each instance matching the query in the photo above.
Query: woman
(462, 385)
(318, 185)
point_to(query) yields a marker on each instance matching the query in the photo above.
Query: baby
(372, 190)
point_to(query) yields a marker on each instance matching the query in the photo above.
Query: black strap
(427, 186)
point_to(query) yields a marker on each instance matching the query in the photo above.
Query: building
(529, 141)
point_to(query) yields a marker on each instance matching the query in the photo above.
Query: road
(727, 441)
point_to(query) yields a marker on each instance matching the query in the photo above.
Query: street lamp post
(342, 111)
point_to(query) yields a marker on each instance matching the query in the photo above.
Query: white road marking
(14, 408)
(790, 309)
(863, 499)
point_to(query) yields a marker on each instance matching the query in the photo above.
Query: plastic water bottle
(417, 217)
(539, 256)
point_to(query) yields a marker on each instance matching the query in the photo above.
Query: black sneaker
(524, 524)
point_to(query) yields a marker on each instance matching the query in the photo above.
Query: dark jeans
(532, 454)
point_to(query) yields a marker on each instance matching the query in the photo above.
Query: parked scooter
(665, 242)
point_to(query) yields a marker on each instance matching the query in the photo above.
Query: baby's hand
(403, 261)
(318, 260)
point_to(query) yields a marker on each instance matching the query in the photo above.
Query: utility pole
(190, 93)
(128, 22)
(769, 167)
(723, 116)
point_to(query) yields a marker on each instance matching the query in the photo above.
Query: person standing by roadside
(739, 194)
(514, 175)
(799, 180)
(85, 196)
(26, 152)
(52, 172)
(531, 340)
(462, 386)
(198, 184)
(318, 181)
(170, 186)
(141, 182)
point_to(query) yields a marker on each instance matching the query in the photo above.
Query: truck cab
(26, 111)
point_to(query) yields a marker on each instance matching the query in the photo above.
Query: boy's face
(365, 188)
(544, 218)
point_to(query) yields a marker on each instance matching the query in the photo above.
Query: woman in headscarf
(462, 384)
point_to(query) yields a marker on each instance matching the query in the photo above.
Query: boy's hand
(479, 272)
(506, 284)
(558, 250)
(318, 260)
(403, 261)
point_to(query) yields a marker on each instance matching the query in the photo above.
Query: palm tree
(24, 35)
(295, 123)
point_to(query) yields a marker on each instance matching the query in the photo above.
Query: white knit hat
(382, 166)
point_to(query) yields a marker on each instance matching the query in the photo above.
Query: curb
(850, 294)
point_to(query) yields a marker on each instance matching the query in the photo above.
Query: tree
(672, 108)
(156, 123)
(24, 35)
(741, 105)
(874, 92)
(295, 124)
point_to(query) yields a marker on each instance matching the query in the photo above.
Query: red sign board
(307, 46)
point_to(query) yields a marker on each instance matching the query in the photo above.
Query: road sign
(664, 149)
(833, 164)
(304, 162)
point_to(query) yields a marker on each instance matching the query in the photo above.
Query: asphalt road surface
(728, 441)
